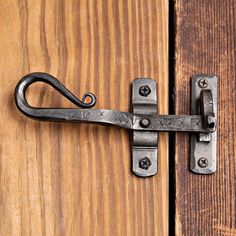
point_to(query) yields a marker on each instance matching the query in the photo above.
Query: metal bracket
(144, 121)
(203, 145)
(144, 151)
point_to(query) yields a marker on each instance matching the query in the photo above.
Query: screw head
(203, 162)
(144, 90)
(144, 123)
(145, 163)
(203, 83)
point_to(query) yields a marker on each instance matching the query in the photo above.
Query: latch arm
(160, 123)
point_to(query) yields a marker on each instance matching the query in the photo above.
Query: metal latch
(145, 122)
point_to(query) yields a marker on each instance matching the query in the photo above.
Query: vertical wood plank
(75, 179)
(205, 43)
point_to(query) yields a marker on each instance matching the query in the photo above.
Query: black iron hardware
(144, 121)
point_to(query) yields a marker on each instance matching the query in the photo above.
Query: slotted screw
(203, 162)
(144, 90)
(145, 163)
(203, 83)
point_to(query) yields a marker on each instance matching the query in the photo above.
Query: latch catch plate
(203, 145)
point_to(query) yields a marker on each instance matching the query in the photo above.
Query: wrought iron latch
(145, 122)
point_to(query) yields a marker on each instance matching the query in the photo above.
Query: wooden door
(205, 43)
(75, 179)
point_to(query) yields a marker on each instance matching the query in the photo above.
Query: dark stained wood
(206, 43)
(75, 179)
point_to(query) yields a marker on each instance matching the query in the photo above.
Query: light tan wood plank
(75, 179)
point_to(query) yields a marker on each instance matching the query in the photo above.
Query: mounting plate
(203, 145)
(145, 149)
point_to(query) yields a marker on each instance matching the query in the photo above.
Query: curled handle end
(29, 79)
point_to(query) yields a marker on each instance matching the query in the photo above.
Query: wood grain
(69, 179)
(205, 43)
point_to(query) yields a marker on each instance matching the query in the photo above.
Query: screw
(145, 123)
(203, 83)
(144, 91)
(203, 162)
(145, 163)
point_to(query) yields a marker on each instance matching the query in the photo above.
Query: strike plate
(203, 145)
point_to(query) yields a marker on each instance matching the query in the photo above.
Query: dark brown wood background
(206, 43)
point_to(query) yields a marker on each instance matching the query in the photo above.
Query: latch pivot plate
(145, 148)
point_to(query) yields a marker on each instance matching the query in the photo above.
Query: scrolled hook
(29, 79)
